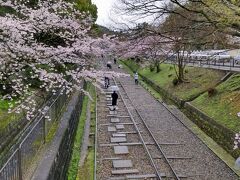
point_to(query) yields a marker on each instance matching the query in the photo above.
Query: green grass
(87, 170)
(131, 64)
(7, 118)
(144, 85)
(197, 79)
(224, 106)
(73, 167)
(52, 131)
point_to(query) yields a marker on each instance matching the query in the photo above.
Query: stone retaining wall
(55, 162)
(222, 135)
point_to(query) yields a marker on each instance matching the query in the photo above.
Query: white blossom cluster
(237, 141)
(21, 52)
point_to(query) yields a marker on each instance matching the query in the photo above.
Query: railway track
(155, 164)
(156, 143)
(160, 161)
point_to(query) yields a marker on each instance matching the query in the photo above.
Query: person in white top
(136, 78)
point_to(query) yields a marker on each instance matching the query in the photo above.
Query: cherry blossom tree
(47, 44)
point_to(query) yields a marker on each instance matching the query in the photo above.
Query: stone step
(122, 164)
(120, 149)
(125, 171)
(118, 135)
(141, 176)
(119, 126)
(118, 139)
(115, 120)
(112, 129)
(113, 112)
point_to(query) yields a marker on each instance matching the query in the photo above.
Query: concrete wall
(54, 164)
(222, 135)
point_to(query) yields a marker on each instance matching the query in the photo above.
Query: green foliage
(50, 39)
(151, 68)
(31, 3)
(96, 31)
(87, 170)
(5, 117)
(132, 65)
(175, 81)
(86, 6)
(211, 92)
(6, 10)
(7, 90)
(73, 167)
(35, 82)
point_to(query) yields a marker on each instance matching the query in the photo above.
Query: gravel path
(136, 153)
(202, 162)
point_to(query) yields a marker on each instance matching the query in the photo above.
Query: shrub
(175, 81)
(170, 75)
(186, 71)
(212, 92)
(151, 67)
(6, 90)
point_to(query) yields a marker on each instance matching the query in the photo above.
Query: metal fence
(225, 64)
(16, 124)
(60, 166)
(17, 166)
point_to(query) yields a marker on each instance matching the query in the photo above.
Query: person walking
(107, 82)
(115, 61)
(109, 66)
(136, 78)
(114, 100)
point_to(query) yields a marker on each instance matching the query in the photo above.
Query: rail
(151, 134)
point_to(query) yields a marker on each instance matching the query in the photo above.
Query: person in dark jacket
(114, 100)
(107, 82)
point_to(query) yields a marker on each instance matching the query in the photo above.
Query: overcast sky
(104, 11)
(107, 17)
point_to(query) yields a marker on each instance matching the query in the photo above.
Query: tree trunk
(180, 70)
(180, 74)
(157, 67)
